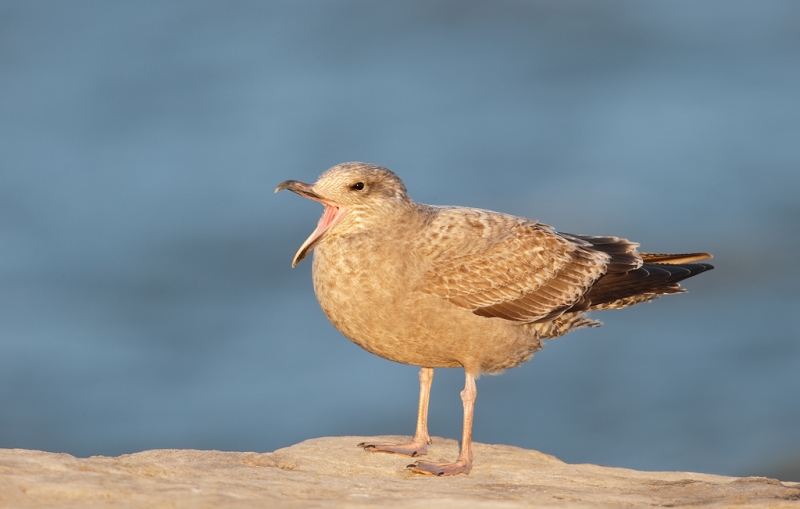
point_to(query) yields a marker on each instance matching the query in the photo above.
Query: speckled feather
(506, 267)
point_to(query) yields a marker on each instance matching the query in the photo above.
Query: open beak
(333, 213)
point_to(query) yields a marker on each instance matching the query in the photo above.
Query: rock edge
(332, 471)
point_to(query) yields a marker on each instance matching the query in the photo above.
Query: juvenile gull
(446, 287)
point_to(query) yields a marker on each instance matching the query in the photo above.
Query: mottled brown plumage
(461, 287)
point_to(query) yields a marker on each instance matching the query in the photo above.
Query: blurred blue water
(146, 295)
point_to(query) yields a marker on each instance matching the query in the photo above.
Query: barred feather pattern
(511, 268)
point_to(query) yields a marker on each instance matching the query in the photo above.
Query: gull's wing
(517, 269)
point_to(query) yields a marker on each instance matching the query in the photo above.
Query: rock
(334, 472)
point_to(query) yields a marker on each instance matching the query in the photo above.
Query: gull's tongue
(327, 218)
(326, 221)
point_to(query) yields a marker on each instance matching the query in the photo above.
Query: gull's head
(350, 192)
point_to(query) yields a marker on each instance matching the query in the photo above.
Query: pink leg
(464, 462)
(419, 445)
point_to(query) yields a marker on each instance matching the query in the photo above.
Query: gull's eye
(358, 186)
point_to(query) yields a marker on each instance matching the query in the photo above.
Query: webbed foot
(441, 469)
(413, 449)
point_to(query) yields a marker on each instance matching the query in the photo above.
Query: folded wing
(517, 269)
(507, 267)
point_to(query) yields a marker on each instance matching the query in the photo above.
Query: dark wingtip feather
(650, 278)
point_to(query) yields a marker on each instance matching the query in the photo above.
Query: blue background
(146, 294)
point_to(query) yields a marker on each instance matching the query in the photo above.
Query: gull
(460, 287)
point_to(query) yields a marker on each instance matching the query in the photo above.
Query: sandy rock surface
(327, 472)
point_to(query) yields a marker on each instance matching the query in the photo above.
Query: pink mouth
(333, 213)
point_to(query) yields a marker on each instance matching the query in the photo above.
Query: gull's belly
(373, 302)
(368, 296)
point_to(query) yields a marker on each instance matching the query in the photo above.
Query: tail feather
(674, 259)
